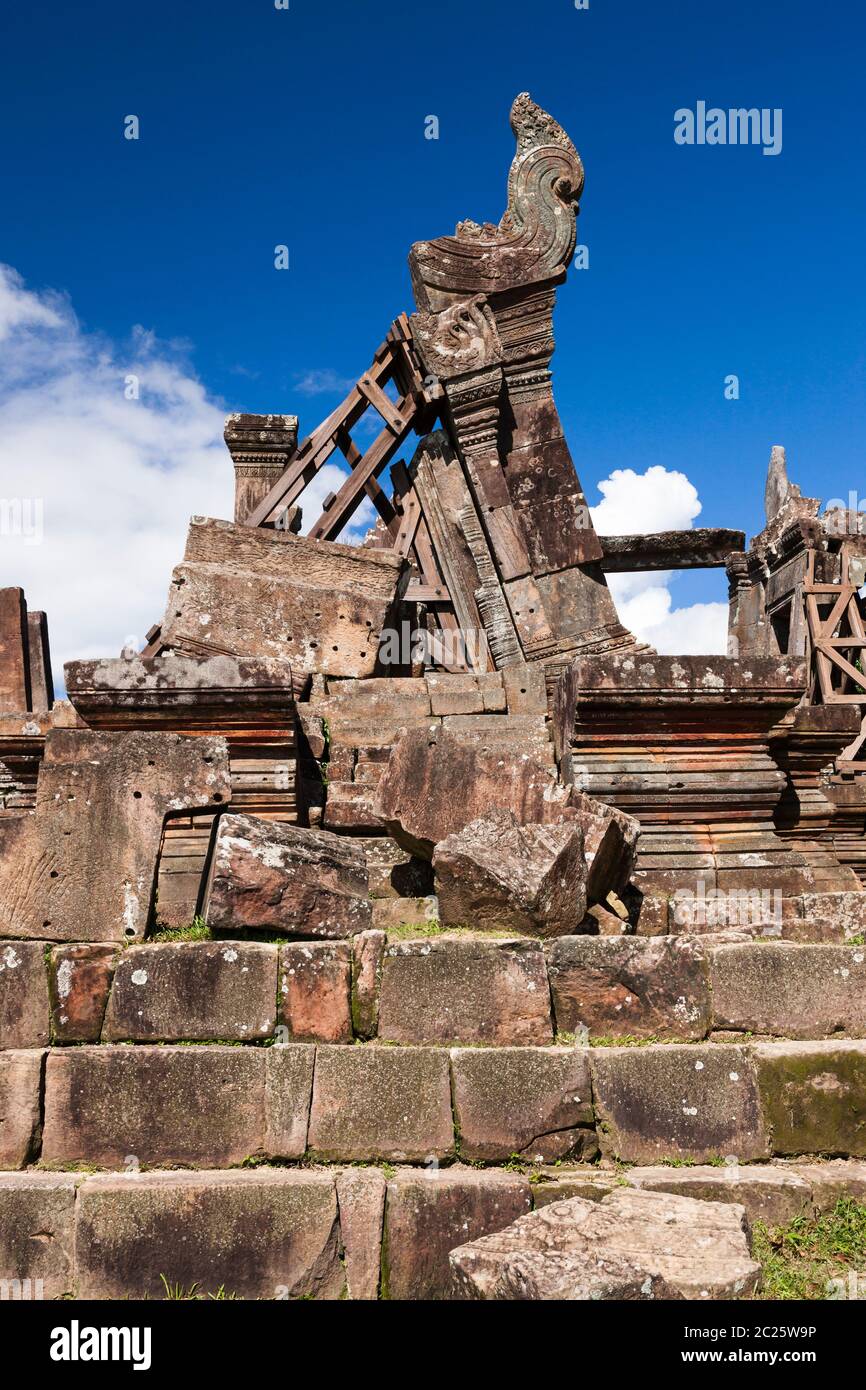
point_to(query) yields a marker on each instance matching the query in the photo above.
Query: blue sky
(306, 127)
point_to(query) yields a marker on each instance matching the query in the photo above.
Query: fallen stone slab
(767, 1192)
(79, 982)
(448, 989)
(790, 990)
(386, 1103)
(630, 986)
(266, 1233)
(82, 867)
(557, 1183)
(315, 981)
(20, 1118)
(37, 1235)
(427, 1211)
(610, 841)
(24, 1009)
(670, 1100)
(268, 876)
(631, 1245)
(257, 592)
(361, 1201)
(199, 991)
(499, 874)
(201, 1105)
(522, 1100)
(814, 1096)
(437, 782)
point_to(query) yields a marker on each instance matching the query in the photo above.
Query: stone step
(408, 982)
(219, 1106)
(327, 1233)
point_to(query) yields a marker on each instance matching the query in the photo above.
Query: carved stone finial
(778, 487)
(536, 235)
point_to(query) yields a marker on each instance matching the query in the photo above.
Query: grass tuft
(813, 1257)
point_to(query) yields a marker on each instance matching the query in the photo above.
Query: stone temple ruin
(428, 792)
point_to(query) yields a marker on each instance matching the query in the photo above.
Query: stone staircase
(330, 1118)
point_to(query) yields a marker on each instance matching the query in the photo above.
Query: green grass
(176, 1293)
(198, 930)
(800, 1260)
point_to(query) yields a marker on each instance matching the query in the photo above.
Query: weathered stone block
(828, 914)
(456, 989)
(522, 1100)
(428, 1212)
(288, 1089)
(767, 1192)
(20, 1083)
(37, 1234)
(793, 991)
(193, 990)
(267, 1233)
(381, 1103)
(273, 877)
(437, 782)
(394, 873)
(23, 994)
(315, 991)
(630, 1245)
(82, 867)
(630, 986)
(367, 950)
(110, 1106)
(672, 1101)
(389, 913)
(79, 983)
(814, 1096)
(258, 592)
(828, 1181)
(529, 879)
(361, 1200)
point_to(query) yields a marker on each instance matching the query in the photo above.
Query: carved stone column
(260, 446)
(484, 328)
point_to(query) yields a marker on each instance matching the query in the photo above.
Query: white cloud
(117, 479)
(320, 380)
(657, 500)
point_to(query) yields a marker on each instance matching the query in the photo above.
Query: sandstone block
(389, 913)
(677, 1101)
(381, 1103)
(193, 990)
(257, 592)
(827, 1182)
(814, 1096)
(23, 994)
(315, 991)
(436, 782)
(361, 1200)
(20, 1082)
(766, 1192)
(630, 986)
(265, 1233)
(630, 1245)
(522, 1100)
(367, 951)
(529, 879)
(80, 979)
(828, 914)
(392, 872)
(793, 991)
(200, 1105)
(37, 1233)
(269, 876)
(472, 990)
(82, 866)
(428, 1212)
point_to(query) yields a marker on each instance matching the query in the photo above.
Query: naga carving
(536, 235)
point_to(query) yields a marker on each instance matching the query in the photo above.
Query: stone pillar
(14, 664)
(260, 446)
(41, 678)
